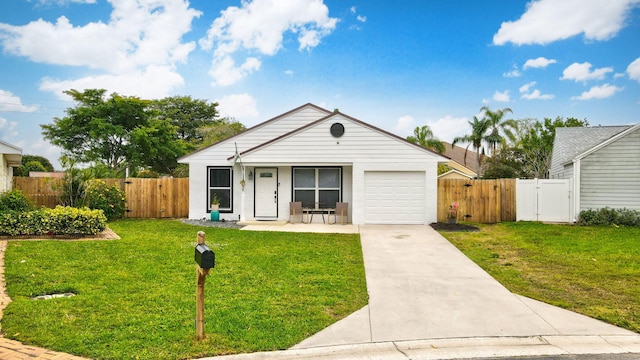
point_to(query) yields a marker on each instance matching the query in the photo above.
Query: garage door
(394, 197)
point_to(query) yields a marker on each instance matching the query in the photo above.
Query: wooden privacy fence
(146, 198)
(483, 201)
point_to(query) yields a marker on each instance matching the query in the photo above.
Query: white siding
(609, 177)
(4, 175)
(218, 154)
(315, 145)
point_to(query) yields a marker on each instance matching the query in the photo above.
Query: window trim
(209, 188)
(317, 188)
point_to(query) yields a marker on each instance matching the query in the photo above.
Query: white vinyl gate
(544, 200)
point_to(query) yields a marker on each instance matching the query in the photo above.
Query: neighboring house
(604, 163)
(11, 156)
(317, 157)
(463, 161)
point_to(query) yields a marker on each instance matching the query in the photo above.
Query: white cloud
(449, 127)
(289, 72)
(8, 129)
(634, 70)
(259, 26)
(10, 102)
(513, 73)
(540, 62)
(582, 72)
(225, 72)
(536, 95)
(237, 106)
(404, 125)
(152, 82)
(525, 88)
(352, 9)
(501, 96)
(529, 93)
(598, 92)
(546, 21)
(140, 36)
(361, 18)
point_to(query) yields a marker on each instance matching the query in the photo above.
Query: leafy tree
(530, 156)
(224, 128)
(474, 139)
(33, 163)
(117, 131)
(424, 137)
(188, 115)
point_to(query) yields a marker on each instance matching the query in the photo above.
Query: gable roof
(333, 114)
(570, 142)
(257, 127)
(457, 154)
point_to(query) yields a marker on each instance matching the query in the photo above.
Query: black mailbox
(205, 257)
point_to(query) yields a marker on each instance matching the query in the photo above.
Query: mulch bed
(107, 234)
(453, 227)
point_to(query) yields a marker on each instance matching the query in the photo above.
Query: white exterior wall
(609, 176)
(360, 149)
(4, 175)
(217, 155)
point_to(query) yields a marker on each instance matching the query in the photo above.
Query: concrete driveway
(422, 287)
(429, 301)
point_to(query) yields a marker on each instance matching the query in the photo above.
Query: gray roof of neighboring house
(573, 141)
(457, 154)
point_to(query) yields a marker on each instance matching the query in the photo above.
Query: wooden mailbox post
(205, 260)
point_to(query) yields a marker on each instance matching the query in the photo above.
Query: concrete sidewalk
(427, 300)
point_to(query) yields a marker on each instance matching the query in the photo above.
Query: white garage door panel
(394, 197)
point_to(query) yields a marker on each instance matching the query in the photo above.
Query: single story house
(11, 157)
(317, 157)
(604, 163)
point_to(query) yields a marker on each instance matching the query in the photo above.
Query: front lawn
(136, 296)
(591, 270)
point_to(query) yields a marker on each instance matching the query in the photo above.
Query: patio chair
(342, 210)
(295, 209)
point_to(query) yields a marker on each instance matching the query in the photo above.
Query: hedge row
(608, 216)
(62, 220)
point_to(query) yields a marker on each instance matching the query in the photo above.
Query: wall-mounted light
(250, 175)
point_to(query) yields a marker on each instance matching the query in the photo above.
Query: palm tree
(475, 139)
(500, 130)
(423, 136)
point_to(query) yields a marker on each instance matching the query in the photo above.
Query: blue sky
(394, 64)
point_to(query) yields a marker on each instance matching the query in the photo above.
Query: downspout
(576, 189)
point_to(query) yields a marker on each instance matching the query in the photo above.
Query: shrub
(148, 174)
(14, 200)
(110, 199)
(608, 216)
(59, 221)
(66, 220)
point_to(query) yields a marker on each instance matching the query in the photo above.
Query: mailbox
(205, 257)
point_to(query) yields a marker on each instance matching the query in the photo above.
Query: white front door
(266, 202)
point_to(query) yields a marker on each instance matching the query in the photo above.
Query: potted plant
(215, 203)
(452, 214)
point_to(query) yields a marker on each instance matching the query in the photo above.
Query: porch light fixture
(250, 175)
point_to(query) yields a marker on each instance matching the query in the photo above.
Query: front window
(219, 185)
(317, 187)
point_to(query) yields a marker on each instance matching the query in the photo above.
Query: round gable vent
(337, 130)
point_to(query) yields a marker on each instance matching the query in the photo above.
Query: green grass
(136, 296)
(591, 270)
